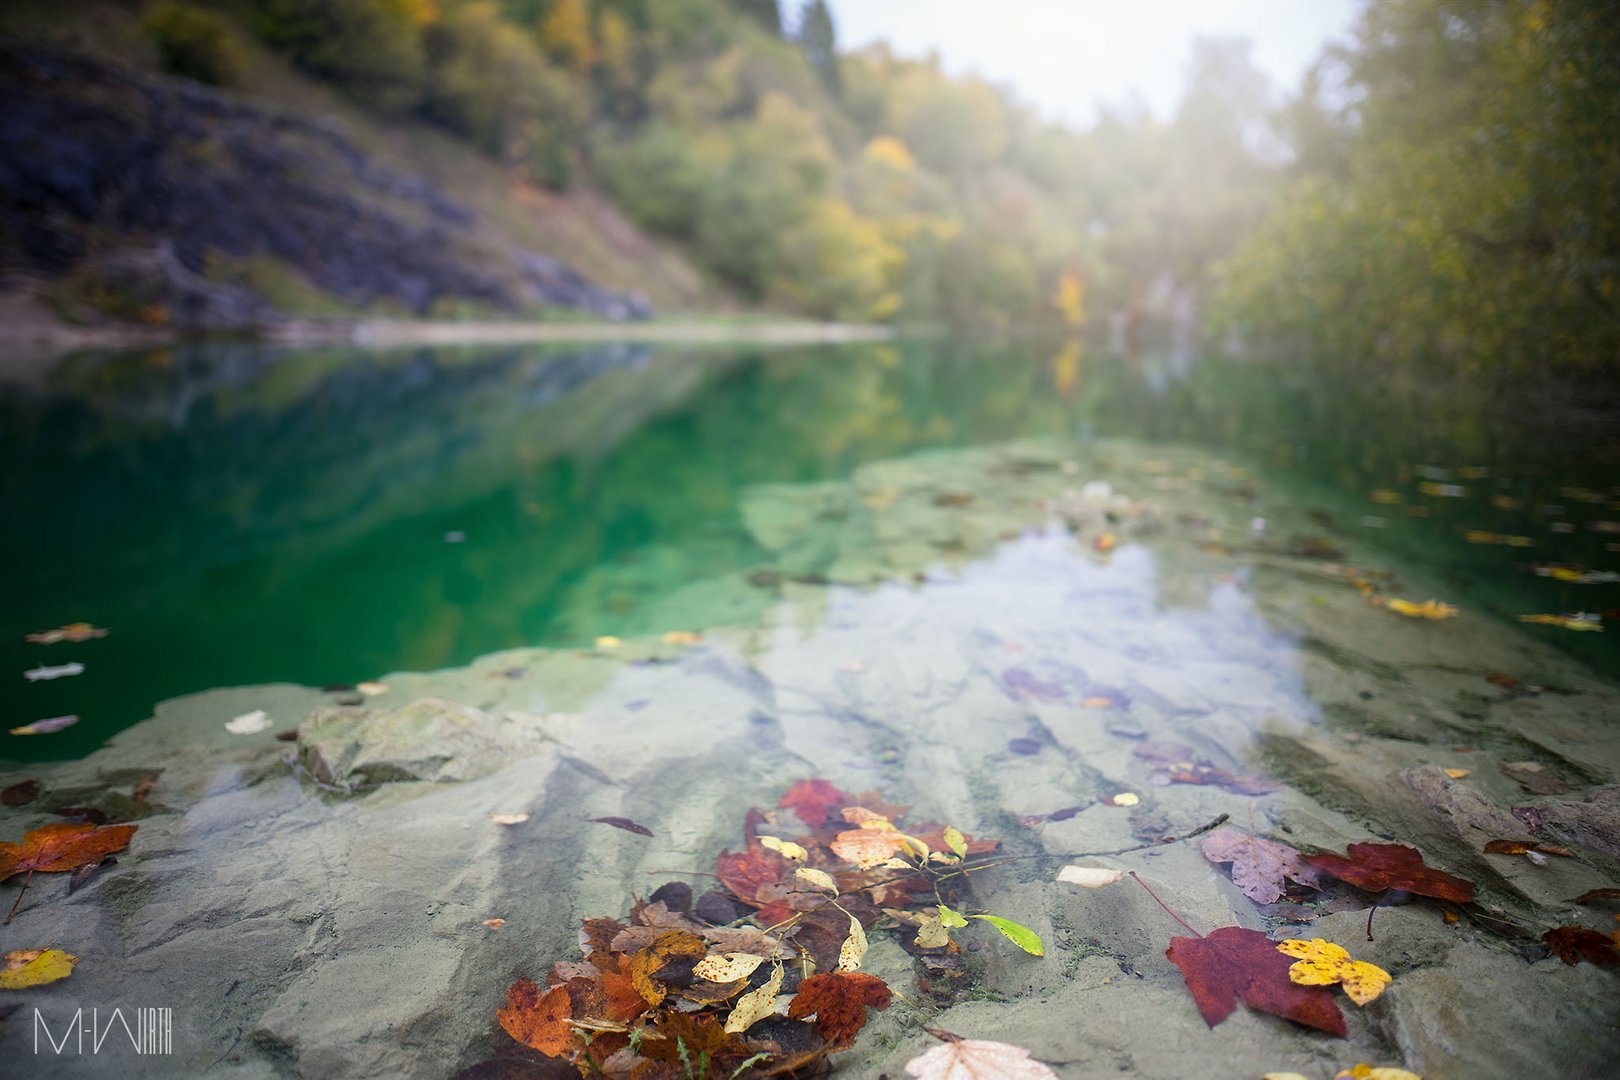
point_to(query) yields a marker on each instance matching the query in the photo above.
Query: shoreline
(32, 334)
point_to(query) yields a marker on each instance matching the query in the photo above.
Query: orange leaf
(866, 847)
(539, 1022)
(63, 846)
(646, 964)
(839, 1001)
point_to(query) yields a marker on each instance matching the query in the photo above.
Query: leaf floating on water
(608, 641)
(977, 1059)
(819, 879)
(727, 967)
(1572, 944)
(1322, 963)
(681, 637)
(1233, 963)
(1259, 867)
(1456, 774)
(786, 848)
(755, 1005)
(1475, 536)
(951, 917)
(931, 932)
(1363, 1071)
(839, 1001)
(1592, 895)
(78, 631)
(1021, 684)
(509, 819)
(1020, 935)
(1377, 867)
(1529, 848)
(813, 800)
(853, 951)
(46, 727)
(1089, 877)
(58, 848)
(623, 823)
(83, 874)
(46, 672)
(1123, 798)
(372, 688)
(249, 723)
(1428, 609)
(538, 1021)
(866, 848)
(35, 967)
(20, 794)
(1580, 621)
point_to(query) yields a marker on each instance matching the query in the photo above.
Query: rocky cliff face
(152, 189)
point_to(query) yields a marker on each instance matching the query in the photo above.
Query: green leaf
(1019, 935)
(950, 916)
(956, 841)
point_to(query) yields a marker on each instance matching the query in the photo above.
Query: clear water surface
(243, 514)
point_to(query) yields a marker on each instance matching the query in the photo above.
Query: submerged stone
(430, 739)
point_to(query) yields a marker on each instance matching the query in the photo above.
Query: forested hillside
(1444, 189)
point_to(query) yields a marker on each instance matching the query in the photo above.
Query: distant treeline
(1445, 189)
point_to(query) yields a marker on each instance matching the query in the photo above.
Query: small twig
(15, 903)
(1162, 904)
(1370, 912)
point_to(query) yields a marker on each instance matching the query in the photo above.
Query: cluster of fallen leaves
(1291, 978)
(763, 977)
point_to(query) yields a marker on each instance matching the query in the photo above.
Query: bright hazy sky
(1063, 56)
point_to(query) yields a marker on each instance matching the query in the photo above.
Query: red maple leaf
(1232, 963)
(1376, 867)
(814, 800)
(839, 1000)
(1573, 944)
(748, 871)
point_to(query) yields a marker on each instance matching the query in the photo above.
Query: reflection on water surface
(239, 514)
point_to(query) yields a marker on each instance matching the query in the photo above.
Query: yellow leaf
(1322, 963)
(727, 967)
(1363, 1071)
(1456, 774)
(955, 840)
(1429, 609)
(785, 848)
(608, 641)
(853, 951)
(951, 917)
(819, 879)
(1568, 622)
(755, 1005)
(1284, 1076)
(35, 967)
(1126, 798)
(931, 932)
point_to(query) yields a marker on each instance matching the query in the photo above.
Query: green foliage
(194, 44)
(1472, 219)
(488, 81)
(1020, 935)
(372, 49)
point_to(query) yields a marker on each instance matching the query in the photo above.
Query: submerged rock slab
(431, 739)
(300, 935)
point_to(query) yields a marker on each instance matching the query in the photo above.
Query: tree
(819, 40)
(768, 13)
